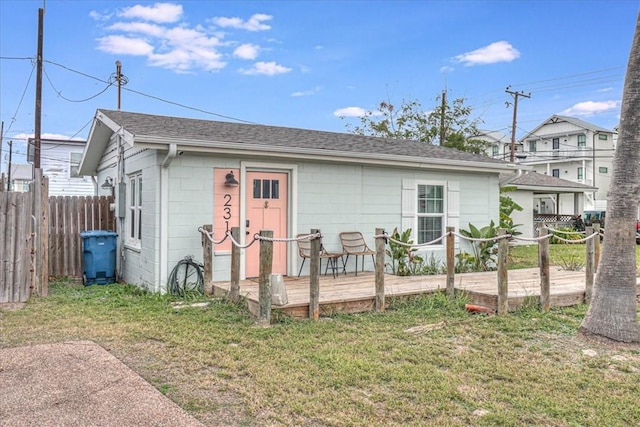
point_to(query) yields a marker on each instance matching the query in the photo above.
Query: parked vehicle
(599, 216)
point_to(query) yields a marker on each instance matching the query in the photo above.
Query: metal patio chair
(353, 244)
(304, 250)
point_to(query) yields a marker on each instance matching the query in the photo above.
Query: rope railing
(553, 233)
(382, 238)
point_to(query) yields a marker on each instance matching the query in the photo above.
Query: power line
(157, 98)
(59, 93)
(24, 92)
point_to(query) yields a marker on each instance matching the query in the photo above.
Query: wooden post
(44, 237)
(314, 277)
(589, 268)
(207, 253)
(451, 263)
(503, 274)
(264, 280)
(234, 289)
(596, 256)
(545, 279)
(380, 258)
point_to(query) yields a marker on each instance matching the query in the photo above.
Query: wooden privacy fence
(68, 217)
(16, 246)
(23, 241)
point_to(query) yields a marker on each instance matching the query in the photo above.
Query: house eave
(234, 148)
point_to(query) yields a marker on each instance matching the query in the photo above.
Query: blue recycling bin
(98, 257)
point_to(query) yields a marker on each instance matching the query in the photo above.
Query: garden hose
(186, 277)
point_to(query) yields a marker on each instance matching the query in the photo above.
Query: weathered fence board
(68, 217)
(16, 243)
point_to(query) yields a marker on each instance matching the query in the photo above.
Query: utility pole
(119, 79)
(442, 111)
(515, 114)
(38, 113)
(1, 138)
(9, 167)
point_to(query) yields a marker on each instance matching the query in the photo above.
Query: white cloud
(446, 69)
(58, 136)
(254, 23)
(159, 12)
(354, 112)
(246, 51)
(501, 51)
(307, 92)
(124, 45)
(99, 16)
(266, 68)
(138, 27)
(605, 89)
(590, 108)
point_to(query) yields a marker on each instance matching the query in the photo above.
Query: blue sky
(307, 63)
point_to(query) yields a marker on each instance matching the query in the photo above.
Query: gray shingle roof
(534, 179)
(187, 129)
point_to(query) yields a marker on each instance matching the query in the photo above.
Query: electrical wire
(59, 93)
(181, 280)
(24, 92)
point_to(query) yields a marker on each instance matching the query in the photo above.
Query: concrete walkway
(79, 384)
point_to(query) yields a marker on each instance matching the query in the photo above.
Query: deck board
(353, 294)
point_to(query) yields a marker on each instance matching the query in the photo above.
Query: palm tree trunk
(613, 310)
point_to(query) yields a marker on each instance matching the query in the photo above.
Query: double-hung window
(532, 146)
(582, 140)
(580, 172)
(495, 151)
(135, 209)
(430, 216)
(74, 164)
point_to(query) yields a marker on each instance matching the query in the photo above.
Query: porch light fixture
(107, 184)
(230, 180)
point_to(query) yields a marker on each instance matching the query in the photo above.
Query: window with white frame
(495, 151)
(532, 146)
(74, 164)
(430, 216)
(602, 136)
(135, 209)
(555, 173)
(580, 172)
(582, 140)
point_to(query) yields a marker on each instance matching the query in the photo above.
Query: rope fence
(382, 238)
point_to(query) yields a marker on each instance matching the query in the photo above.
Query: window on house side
(430, 216)
(602, 136)
(556, 143)
(556, 173)
(603, 169)
(582, 140)
(580, 172)
(74, 164)
(495, 151)
(135, 208)
(532, 146)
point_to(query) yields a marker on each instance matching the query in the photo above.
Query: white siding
(331, 197)
(55, 164)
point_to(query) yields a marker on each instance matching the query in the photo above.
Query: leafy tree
(613, 312)
(411, 121)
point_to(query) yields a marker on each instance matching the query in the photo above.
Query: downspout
(164, 217)
(593, 165)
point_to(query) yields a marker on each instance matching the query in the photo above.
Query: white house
(500, 147)
(532, 190)
(60, 161)
(20, 177)
(574, 150)
(169, 175)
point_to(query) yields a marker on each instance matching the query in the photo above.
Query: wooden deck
(351, 294)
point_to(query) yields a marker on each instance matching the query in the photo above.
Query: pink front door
(266, 210)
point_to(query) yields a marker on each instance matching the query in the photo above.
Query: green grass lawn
(425, 362)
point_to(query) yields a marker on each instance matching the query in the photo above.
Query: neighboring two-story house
(500, 147)
(59, 161)
(573, 150)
